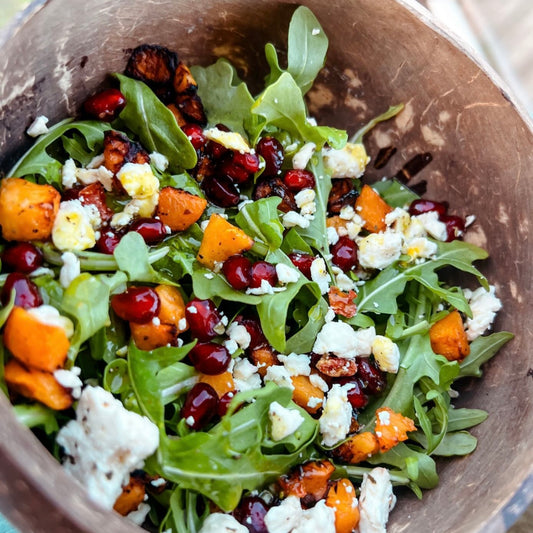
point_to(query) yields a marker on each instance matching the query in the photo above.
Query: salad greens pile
(237, 454)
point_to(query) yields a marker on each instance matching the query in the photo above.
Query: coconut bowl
(382, 52)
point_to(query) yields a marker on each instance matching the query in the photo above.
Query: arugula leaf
(453, 443)
(282, 105)
(273, 308)
(226, 99)
(35, 415)
(144, 369)
(465, 418)
(316, 233)
(390, 113)
(181, 181)
(306, 51)
(292, 242)
(229, 459)
(155, 124)
(481, 350)
(379, 295)
(76, 148)
(36, 160)
(395, 193)
(260, 220)
(86, 300)
(132, 257)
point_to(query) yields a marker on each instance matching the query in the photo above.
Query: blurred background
(499, 32)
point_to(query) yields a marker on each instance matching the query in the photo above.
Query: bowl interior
(381, 53)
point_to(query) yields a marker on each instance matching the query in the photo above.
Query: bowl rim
(509, 511)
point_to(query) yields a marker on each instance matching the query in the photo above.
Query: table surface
(504, 31)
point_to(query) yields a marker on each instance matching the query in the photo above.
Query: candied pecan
(336, 367)
(119, 150)
(342, 193)
(267, 187)
(153, 64)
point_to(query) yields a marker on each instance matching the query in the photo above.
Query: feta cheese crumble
(302, 157)
(105, 443)
(229, 139)
(222, 523)
(159, 161)
(386, 354)
(319, 274)
(296, 364)
(349, 162)
(73, 227)
(484, 305)
(337, 338)
(287, 274)
(376, 501)
(292, 219)
(379, 250)
(70, 270)
(47, 314)
(334, 424)
(239, 334)
(38, 126)
(284, 422)
(280, 376)
(433, 225)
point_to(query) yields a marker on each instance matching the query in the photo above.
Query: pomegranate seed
(238, 271)
(200, 405)
(344, 253)
(297, 180)
(234, 172)
(105, 105)
(22, 257)
(455, 226)
(251, 514)
(221, 191)
(71, 194)
(356, 395)
(95, 194)
(152, 230)
(203, 318)
(261, 270)
(27, 294)
(136, 304)
(216, 150)
(249, 162)
(195, 134)
(253, 327)
(108, 241)
(271, 150)
(302, 262)
(223, 403)
(371, 377)
(422, 205)
(210, 358)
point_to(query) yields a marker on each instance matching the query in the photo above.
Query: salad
(215, 323)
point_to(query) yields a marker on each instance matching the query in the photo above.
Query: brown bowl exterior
(381, 52)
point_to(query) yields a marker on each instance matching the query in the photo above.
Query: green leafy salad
(215, 323)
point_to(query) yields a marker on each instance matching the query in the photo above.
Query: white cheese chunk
(139, 515)
(70, 379)
(68, 174)
(222, 523)
(280, 376)
(334, 424)
(47, 314)
(433, 225)
(319, 274)
(337, 338)
(287, 274)
(70, 270)
(292, 219)
(484, 305)
(296, 364)
(376, 501)
(38, 126)
(386, 354)
(73, 227)
(238, 333)
(159, 161)
(284, 422)
(349, 162)
(379, 250)
(138, 180)
(105, 443)
(303, 156)
(229, 139)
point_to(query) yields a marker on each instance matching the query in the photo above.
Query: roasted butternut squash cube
(27, 210)
(372, 209)
(448, 337)
(391, 428)
(179, 209)
(343, 500)
(36, 385)
(306, 395)
(221, 240)
(34, 343)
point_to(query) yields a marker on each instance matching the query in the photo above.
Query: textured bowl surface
(381, 53)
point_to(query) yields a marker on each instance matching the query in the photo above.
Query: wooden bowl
(381, 52)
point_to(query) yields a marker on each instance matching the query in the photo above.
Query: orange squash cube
(448, 337)
(179, 209)
(372, 209)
